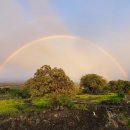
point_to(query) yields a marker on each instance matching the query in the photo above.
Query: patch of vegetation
(9, 106)
(91, 98)
(52, 88)
(121, 87)
(19, 93)
(4, 90)
(41, 102)
(60, 100)
(128, 123)
(116, 98)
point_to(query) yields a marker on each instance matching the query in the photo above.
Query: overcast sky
(101, 45)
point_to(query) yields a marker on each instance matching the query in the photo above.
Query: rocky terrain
(97, 117)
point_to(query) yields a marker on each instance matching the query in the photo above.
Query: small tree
(48, 80)
(93, 83)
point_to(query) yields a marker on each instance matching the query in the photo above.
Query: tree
(112, 86)
(48, 80)
(119, 86)
(93, 83)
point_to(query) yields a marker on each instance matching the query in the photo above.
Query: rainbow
(6, 61)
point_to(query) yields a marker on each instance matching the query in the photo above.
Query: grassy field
(17, 105)
(98, 98)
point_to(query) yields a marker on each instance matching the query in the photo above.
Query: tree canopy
(48, 80)
(93, 83)
(119, 86)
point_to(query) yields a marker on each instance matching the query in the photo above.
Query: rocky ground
(97, 117)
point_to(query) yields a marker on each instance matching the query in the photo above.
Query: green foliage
(19, 93)
(116, 98)
(70, 104)
(15, 92)
(48, 80)
(60, 100)
(120, 86)
(90, 98)
(9, 106)
(53, 101)
(25, 93)
(93, 83)
(4, 90)
(41, 102)
(128, 123)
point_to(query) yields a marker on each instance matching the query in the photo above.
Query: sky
(80, 36)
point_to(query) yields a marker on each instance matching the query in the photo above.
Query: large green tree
(93, 83)
(119, 86)
(50, 80)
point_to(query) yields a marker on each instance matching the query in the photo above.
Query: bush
(56, 101)
(4, 90)
(19, 93)
(25, 93)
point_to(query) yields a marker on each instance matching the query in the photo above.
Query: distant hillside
(11, 84)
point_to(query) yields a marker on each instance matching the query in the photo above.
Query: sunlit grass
(40, 102)
(12, 105)
(9, 106)
(98, 98)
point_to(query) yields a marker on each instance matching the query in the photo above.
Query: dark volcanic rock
(95, 118)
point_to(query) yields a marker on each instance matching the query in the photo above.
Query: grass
(9, 106)
(17, 105)
(99, 98)
(40, 102)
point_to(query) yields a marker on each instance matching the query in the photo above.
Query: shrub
(56, 101)
(25, 93)
(19, 93)
(4, 90)
(15, 92)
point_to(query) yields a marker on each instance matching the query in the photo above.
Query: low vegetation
(51, 88)
(53, 102)
(91, 98)
(9, 106)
